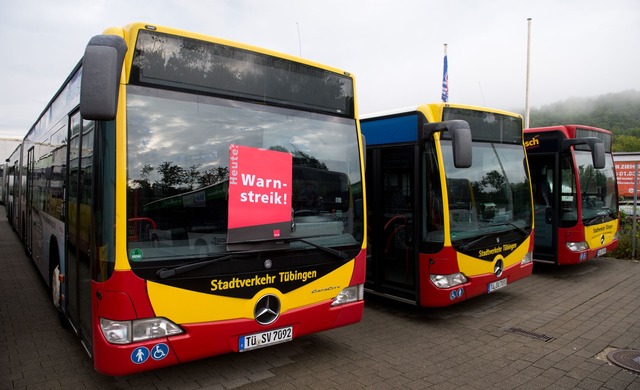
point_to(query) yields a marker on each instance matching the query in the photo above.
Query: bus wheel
(56, 296)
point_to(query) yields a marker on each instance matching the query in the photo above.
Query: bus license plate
(601, 252)
(498, 284)
(264, 339)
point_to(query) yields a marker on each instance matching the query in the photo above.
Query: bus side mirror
(460, 139)
(597, 153)
(596, 146)
(101, 69)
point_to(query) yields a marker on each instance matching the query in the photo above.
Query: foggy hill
(617, 112)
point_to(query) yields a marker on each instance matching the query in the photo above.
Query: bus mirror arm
(460, 139)
(101, 69)
(596, 145)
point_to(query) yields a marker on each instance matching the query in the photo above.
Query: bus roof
(438, 105)
(569, 130)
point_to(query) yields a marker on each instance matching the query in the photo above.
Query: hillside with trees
(617, 112)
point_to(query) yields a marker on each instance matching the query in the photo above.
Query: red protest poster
(259, 194)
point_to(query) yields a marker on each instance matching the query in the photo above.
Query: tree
(626, 143)
(172, 177)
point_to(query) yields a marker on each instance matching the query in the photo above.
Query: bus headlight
(528, 258)
(125, 332)
(116, 332)
(577, 246)
(349, 294)
(447, 281)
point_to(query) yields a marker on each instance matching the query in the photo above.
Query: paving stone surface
(552, 330)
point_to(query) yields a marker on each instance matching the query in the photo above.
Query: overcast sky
(579, 48)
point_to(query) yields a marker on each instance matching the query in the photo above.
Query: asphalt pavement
(553, 330)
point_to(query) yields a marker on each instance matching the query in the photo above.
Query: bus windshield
(490, 196)
(178, 172)
(597, 188)
(493, 195)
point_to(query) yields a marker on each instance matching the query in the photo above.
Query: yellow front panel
(185, 306)
(600, 235)
(473, 266)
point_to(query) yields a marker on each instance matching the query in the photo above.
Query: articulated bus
(575, 193)
(186, 196)
(449, 202)
(6, 146)
(3, 179)
(11, 187)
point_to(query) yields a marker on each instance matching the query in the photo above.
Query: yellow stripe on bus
(600, 235)
(185, 306)
(472, 266)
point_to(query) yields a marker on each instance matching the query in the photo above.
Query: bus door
(78, 219)
(543, 168)
(28, 228)
(391, 269)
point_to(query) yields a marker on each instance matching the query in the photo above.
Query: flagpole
(526, 99)
(445, 77)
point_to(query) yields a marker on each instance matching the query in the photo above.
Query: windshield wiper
(518, 228)
(326, 249)
(595, 219)
(340, 254)
(609, 212)
(471, 243)
(606, 212)
(164, 273)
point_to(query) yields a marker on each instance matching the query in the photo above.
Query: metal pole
(526, 99)
(635, 212)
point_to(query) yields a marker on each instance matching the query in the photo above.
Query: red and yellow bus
(575, 193)
(450, 207)
(186, 196)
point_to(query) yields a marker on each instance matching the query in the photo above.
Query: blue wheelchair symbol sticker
(140, 355)
(159, 351)
(452, 295)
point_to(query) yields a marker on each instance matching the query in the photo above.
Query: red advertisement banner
(260, 183)
(625, 176)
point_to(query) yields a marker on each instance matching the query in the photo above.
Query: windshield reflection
(178, 170)
(598, 189)
(492, 195)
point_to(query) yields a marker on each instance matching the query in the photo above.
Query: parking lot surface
(552, 330)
